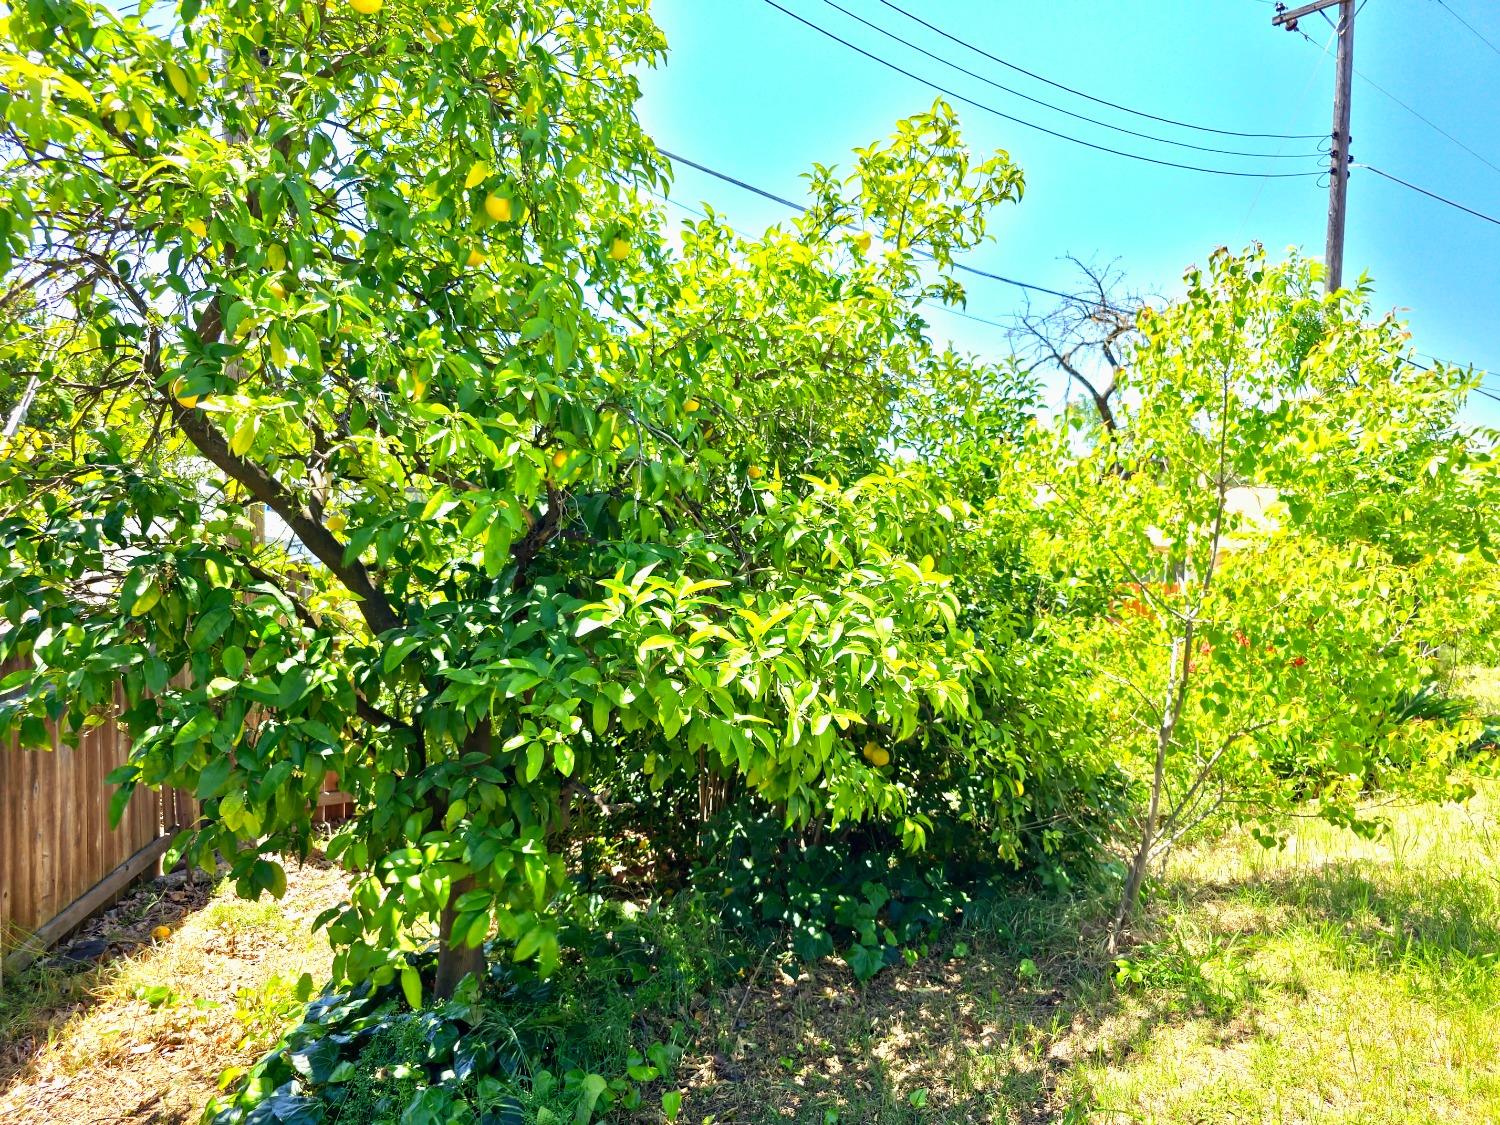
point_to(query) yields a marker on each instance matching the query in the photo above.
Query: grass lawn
(1339, 980)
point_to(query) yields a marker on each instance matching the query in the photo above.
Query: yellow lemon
(197, 226)
(337, 522)
(187, 402)
(161, 933)
(366, 7)
(691, 406)
(619, 250)
(475, 259)
(559, 459)
(755, 472)
(278, 290)
(877, 756)
(497, 207)
(276, 257)
(862, 241)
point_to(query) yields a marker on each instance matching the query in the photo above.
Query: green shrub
(600, 1033)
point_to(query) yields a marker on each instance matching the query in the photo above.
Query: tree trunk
(1177, 677)
(454, 961)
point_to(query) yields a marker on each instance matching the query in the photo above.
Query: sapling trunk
(1177, 681)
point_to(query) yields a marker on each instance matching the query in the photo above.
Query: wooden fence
(60, 861)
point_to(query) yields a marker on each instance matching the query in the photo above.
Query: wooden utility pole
(1338, 156)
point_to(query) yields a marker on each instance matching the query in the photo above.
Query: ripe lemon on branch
(187, 402)
(877, 755)
(497, 207)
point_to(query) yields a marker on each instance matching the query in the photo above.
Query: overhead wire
(1429, 194)
(1476, 32)
(1433, 125)
(691, 210)
(1090, 97)
(764, 194)
(1478, 389)
(1430, 124)
(1057, 108)
(1312, 75)
(1031, 124)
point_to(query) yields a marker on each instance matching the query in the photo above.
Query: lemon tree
(386, 440)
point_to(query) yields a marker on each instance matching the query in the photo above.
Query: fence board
(57, 849)
(60, 860)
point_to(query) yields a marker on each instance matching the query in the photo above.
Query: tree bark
(455, 961)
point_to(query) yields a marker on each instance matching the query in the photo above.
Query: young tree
(1264, 554)
(386, 272)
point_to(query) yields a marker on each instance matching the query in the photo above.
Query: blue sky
(752, 92)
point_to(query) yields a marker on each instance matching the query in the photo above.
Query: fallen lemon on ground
(161, 933)
(366, 7)
(619, 250)
(497, 207)
(877, 755)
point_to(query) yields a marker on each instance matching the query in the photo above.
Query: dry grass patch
(144, 1037)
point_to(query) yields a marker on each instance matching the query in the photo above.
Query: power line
(801, 208)
(1090, 97)
(728, 179)
(1433, 125)
(1477, 34)
(1478, 388)
(764, 194)
(691, 210)
(1312, 75)
(1029, 124)
(1429, 194)
(1057, 108)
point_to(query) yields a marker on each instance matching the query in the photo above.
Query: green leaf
(594, 1086)
(213, 778)
(411, 987)
(140, 592)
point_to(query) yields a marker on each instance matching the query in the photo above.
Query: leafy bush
(858, 894)
(510, 1049)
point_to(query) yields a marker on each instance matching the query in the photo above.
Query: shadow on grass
(992, 1024)
(1444, 927)
(986, 1027)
